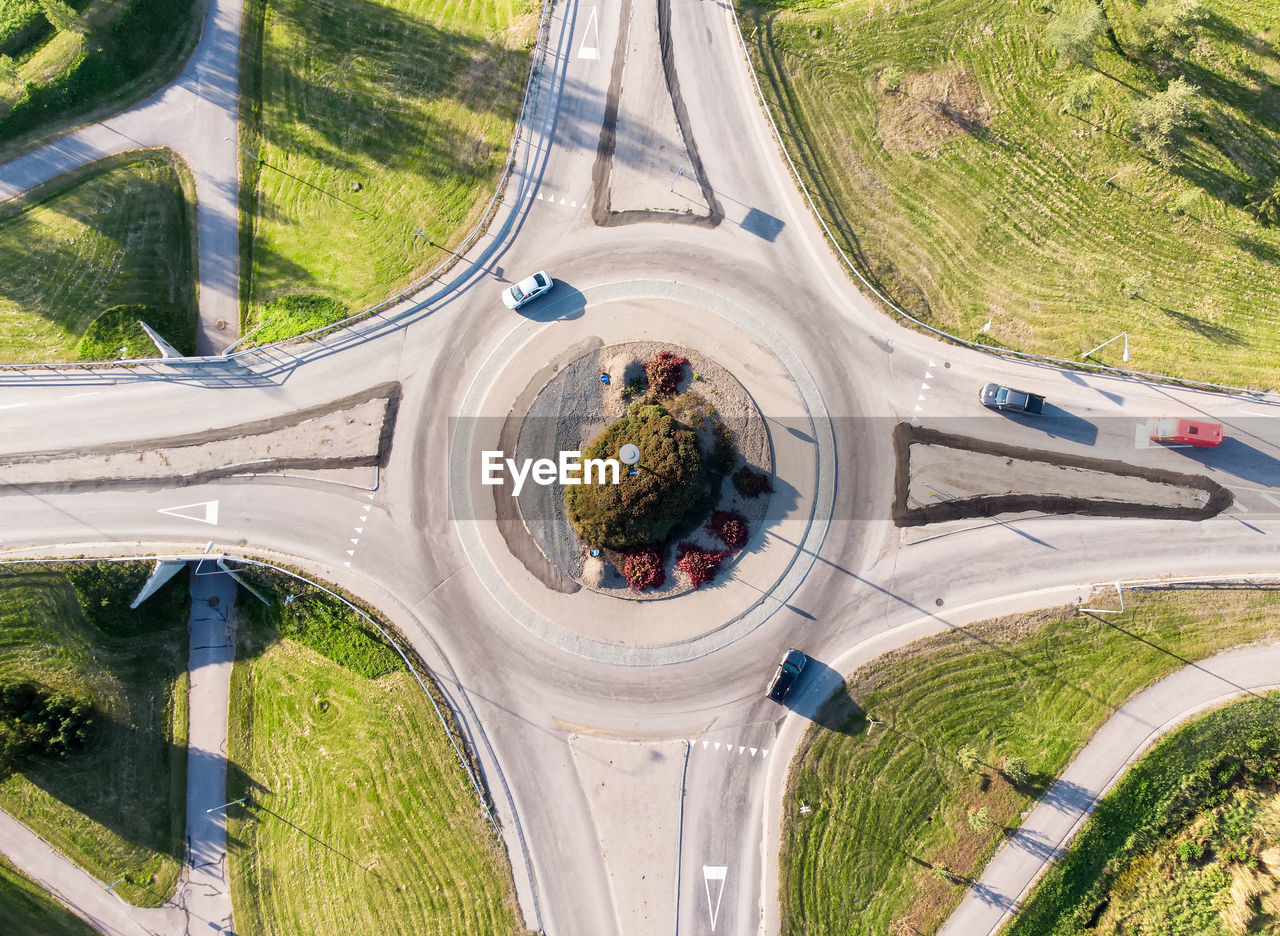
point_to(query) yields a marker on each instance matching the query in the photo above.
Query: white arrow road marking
(210, 512)
(590, 34)
(710, 874)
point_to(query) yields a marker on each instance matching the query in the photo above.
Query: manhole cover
(213, 602)
(220, 324)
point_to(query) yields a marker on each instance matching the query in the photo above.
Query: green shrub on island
(751, 483)
(670, 482)
(38, 722)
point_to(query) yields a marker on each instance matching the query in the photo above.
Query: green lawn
(361, 821)
(371, 118)
(933, 137)
(119, 232)
(1187, 844)
(117, 806)
(897, 821)
(28, 911)
(107, 55)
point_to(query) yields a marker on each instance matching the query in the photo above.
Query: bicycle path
(192, 116)
(1135, 727)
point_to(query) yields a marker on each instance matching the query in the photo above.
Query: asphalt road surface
(392, 537)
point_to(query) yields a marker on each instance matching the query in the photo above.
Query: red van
(1188, 432)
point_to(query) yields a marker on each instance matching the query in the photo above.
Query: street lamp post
(629, 455)
(1124, 357)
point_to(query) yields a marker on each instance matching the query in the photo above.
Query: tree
(1078, 96)
(61, 17)
(9, 71)
(1074, 32)
(1017, 771)
(1160, 121)
(1170, 27)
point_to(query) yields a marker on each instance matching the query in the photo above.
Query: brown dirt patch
(931, 108)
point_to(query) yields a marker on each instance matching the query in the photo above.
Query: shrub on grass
(37, 722)
(664, 371)
(701, 566)
(643, 569)
(968, 758)
(106, 589)
(730, 527)
(330, 628)
(1016, 771)
(296, 314)
(669, 485)
(980, 819)
(751, 483)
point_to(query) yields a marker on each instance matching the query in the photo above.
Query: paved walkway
(205, 893)
(1137, 725)
(191, 116)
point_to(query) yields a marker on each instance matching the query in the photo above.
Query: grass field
(28, 911)
(371, 118)
(361, 821)
(1187, 843)
(933, 136)
(898, 821)
(116, 807)
(119, 232)
(107, 55)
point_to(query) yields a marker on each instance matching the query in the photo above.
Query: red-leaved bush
(664, 371)
(643, 569)
(730, 527)
(701, 566)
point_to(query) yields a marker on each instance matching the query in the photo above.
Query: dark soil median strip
(905, 435)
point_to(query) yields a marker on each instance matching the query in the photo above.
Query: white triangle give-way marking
(710, 874)
(590, 34)
(928, 376)
(753, 751)
(717, 744)
(210, 512)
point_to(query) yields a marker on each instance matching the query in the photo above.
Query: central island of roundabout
(729, 435)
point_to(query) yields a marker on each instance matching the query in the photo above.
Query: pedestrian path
(1136, 725)
(205, 890)
(193, 116)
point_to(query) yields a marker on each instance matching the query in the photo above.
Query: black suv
(788, 670)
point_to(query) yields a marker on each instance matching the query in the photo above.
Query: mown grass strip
(1206, 785)
(84, 256)
(28, 911)
(371, 119)
(898, 823)
(360, 819)
(933, 136)
(117, 806)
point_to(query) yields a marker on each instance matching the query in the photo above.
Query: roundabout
(799, 443)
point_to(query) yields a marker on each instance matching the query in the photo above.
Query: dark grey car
(788, 670)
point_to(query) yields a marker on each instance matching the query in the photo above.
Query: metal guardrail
(947, 336)
(530, 93)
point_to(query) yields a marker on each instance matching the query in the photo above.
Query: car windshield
(517, 293)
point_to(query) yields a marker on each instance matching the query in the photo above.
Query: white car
(527, 290)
